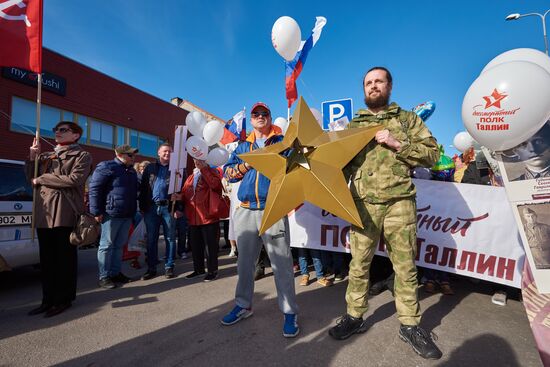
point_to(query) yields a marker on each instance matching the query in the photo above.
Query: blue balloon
(443, 175)
(425, 110)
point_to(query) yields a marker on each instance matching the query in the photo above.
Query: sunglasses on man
(61, 130)
(261, 113)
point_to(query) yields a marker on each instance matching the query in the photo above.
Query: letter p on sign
(335, 110)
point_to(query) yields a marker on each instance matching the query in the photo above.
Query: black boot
(347, 326)
(40, 309)
(421, 341)
(377, 288)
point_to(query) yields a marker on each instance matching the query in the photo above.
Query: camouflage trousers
(397, 219)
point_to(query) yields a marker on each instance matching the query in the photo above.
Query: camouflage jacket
(378, 173)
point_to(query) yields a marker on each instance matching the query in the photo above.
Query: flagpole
(288, 115)
(36, 157)
(243, 127)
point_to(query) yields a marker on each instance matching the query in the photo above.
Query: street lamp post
(542, 17)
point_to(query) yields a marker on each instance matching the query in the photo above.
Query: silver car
(16, 245)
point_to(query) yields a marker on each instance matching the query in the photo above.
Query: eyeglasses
(131, 155)
(261, 113)
(61, 130)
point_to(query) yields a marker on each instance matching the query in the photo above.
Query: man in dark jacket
(113, 201)
(155, 203)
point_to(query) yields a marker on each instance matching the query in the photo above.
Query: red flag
(21, 34)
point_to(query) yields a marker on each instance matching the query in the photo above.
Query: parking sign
(335, 110)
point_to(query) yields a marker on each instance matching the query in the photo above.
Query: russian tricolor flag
(294, 67)
(235, 129)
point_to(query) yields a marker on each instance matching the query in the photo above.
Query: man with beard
(535, 154)
(384, 194)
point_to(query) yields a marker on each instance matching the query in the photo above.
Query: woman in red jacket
(203, 226)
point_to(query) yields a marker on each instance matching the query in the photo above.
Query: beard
(377, 102)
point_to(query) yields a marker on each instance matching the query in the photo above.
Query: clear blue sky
(218, 54)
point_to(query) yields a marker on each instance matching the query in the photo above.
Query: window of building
(49, 117)
(67, 116)
(95, 132)
(83, 122)
(134, 139)
(23, 115)
(148, 144)
(101, 134)
(120, 135)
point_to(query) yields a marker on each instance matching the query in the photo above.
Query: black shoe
(121, 278)
(347, 326)
(420, 341)
(210, 276)
(338, 277)
(149, 275)
(107, 283)
(42, 308)
(56, 310)
(259, 274)
(169, 273)
(378, 288)
(194, 274)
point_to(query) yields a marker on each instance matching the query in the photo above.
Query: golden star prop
(312, 168)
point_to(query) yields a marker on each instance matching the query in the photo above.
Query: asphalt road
(176, 322)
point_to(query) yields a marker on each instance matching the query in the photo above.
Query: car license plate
(9, 220)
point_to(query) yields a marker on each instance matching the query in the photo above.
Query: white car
(16, 245)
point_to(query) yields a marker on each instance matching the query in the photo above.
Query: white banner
(463, 229)
(178, 160)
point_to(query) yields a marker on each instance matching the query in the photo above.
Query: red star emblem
(498, 97)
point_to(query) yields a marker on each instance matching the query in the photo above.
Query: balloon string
(307, 89)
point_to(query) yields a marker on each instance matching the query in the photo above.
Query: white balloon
(195, 122)
(197, 147)
(520, 54)
(282, 123)
(212, 132)
(317, 116)
(463, 141)
(217, 157)
(286, 37)
(507, 104)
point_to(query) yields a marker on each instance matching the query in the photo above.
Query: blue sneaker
(290, 328)
(237, 314)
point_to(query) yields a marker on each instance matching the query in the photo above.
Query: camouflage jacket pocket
(357, 186)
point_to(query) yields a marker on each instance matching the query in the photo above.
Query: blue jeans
(315, 256)
(156, 216)
(114, 234)
(334, 260)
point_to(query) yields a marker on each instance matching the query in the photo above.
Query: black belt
(162, 202)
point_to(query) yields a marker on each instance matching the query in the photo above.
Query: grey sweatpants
(277, 244)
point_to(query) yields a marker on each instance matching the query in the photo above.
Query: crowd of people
(122, 193)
